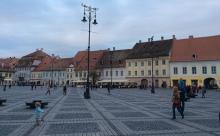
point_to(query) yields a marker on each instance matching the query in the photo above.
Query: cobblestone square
(131, 112)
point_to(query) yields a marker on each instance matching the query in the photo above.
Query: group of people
(182, 93)
(49, 88)
(193, 91)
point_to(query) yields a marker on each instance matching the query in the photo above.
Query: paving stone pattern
(128, 112)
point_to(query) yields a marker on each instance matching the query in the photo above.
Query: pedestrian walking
(4, 88)
(108, 87)
(176, 103)
(48, 90)
(203, 92)
(32, 87)
(38, 112)
(182, 89)
(64, 90)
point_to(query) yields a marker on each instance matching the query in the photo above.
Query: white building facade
(199, 72)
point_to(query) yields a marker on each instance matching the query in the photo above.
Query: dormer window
(194, 56)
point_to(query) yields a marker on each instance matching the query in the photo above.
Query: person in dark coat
(182, 89)
(108, 87)
(64, 90)
(4, 88)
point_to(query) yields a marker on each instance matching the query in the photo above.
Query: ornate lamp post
(53, 57)
(111, 53)
(152, 77)
(88, 11)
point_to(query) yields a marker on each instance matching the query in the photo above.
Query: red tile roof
(199, 49)
(81, 59)
(116, 58)
(27, 61)
(57, 64)
(8, 64)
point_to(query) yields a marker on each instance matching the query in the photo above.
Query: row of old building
(195, 60)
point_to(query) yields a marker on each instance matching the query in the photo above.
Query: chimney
(108, 49)
(139, 41)
(41, 49)
(174, 37)
(148, 39)
(162, 38)
(191, 37)
(113, 48)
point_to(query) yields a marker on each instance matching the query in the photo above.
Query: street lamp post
(111, 52)
(152, 73)
(88, 10)
(52, 71)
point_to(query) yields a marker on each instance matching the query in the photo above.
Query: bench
(32, 104)
(2, 101)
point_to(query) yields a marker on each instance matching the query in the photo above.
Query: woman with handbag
(176, 102)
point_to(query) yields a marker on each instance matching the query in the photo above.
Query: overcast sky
(55, 25)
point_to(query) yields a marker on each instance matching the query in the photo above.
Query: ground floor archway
(144, 83)
(210, 83)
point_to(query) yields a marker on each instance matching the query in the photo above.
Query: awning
(7, 79)
(79, 81)
(114, 81)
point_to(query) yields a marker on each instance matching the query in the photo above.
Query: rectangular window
(204, 70)
(135, 73)
(129, 64)
(80, 74)
(142, 63)
(116, 73)
(193, 70)
(164, 72)
(135, 64)
(184, 70)
(213, 69)
(157, 72)
(156, 62)
(122, 74)
(84, 74)
(149, 63)
(149, 72)
(106, 73)
(142, 72)
(76, 74)
(175, 70)
(164, 62)
(129, 73)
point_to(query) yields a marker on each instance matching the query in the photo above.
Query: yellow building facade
(201, 73)
(139, 71)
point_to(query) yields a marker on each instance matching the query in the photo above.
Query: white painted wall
(198, 65)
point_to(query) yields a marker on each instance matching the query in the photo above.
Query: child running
(38, 112)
